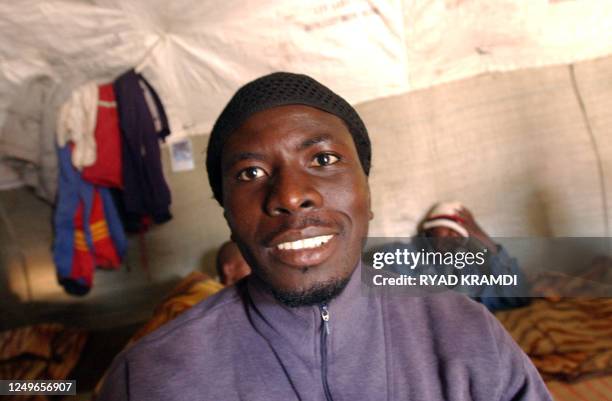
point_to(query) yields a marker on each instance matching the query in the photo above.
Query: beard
(321, 293)
(317, 294)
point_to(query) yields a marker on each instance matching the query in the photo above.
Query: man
(231, 266)
(288, 160)
(451, 223)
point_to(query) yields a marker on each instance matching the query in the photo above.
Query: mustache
(300, 222)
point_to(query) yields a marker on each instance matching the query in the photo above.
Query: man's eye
(251, 173)
(324, 159)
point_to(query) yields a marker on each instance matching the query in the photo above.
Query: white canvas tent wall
(198, 53)
(530, 149)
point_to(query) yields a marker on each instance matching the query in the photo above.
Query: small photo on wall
(181, 155)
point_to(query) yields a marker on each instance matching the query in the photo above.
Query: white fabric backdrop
(516, 148)
(198, 52)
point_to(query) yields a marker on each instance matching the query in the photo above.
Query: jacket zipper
(324, 333)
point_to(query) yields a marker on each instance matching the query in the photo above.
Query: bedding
(594, 389)
(43, 351)
(567, 338)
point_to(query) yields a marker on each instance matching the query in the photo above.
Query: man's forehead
(295, 125)
(286, 116)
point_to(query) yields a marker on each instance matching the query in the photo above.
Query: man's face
(296, 198)
(442, 232)
(445, 239)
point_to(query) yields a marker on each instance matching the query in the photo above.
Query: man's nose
(290, 193)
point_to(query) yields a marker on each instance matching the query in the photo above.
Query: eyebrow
(243, 156)
(314, 141)
(258, 156)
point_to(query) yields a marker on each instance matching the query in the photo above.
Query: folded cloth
(76, 123)
(194, 288)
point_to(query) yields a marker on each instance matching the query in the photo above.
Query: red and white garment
(107, 169)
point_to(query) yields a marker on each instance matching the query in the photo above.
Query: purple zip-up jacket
(242, 344)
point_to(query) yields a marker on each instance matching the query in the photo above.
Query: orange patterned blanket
(566, 339)
(43, 351)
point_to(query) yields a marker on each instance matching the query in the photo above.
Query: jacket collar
(300, 326)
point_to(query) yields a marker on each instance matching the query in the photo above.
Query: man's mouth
(305, 243)
(309, 246)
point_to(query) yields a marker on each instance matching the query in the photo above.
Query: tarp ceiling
(197, 53)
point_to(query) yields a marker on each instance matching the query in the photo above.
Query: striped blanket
(566, 339)
(595, 389)
(43, 351)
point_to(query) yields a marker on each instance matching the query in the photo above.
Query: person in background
(453, 220)
(231, 266)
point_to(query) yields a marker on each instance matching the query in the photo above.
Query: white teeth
(305, 243)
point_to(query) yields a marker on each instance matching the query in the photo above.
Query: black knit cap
(280, 89)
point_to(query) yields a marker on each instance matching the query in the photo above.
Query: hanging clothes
(88, 231)
(76, 123)
(107, 170)
(143, 123)
(28, 137)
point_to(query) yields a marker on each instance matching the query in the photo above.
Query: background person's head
(452, 225)
(288, 159)
(231, 266)
(444, 227)
(444, 220)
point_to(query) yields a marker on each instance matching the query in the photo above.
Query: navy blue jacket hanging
(143, 123)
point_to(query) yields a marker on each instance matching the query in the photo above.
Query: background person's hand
(469, 223)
